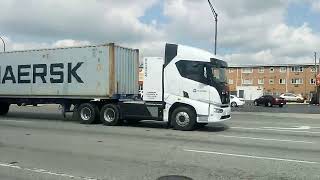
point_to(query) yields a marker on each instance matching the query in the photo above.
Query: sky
(249, 31)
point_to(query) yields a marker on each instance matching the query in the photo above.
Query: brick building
(273, 79)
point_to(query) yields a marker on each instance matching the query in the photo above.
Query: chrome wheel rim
(182, 119)
(109, 115)
(85, 113)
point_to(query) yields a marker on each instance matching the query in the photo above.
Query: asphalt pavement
(38, 143)
(289, 108)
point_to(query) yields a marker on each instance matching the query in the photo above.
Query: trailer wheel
(87, 113)
(4, 108)
(110, 115)
(183, 118)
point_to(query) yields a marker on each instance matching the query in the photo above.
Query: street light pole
(215, 14)
(4, 44)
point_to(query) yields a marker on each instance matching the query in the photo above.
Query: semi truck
(185, 88)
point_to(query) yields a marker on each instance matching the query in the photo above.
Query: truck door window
(193, 70)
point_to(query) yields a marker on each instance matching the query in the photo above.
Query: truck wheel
(183, 118)
(87, 113)
(110, 115)
(234, 104)
(4, 108)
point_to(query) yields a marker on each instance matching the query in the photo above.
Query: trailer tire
(87, 113)
(4, 108)
(110, 115)
(184, 118)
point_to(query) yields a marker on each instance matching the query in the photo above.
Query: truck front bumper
(219, 114)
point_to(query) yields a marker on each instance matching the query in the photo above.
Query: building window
(312, 81)
(297, 69)
(271, 69)
(260, 81)
(230, 81)
(271, 81)
(296, 81)
(230, 70)
(283, 69)
(261, 70)
(246, 70)
(246, 81)
(313, 69)
(282, 81)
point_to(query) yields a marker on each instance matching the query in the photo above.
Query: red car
(269, 101)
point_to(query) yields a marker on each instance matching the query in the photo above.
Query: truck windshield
(219, 75)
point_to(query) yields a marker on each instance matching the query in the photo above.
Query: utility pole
(318, 87)
(4, 44)
(317, 70)
(215, 14)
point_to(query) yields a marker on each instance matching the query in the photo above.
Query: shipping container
(102, 71)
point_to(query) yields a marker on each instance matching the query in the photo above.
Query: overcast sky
(250, 31)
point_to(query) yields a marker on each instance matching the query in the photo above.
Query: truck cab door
(193, 84)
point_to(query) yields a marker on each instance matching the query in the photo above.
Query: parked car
(290, 97)
(269, 101)
(235, 101)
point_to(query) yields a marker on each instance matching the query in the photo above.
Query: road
(289, 108)
(38, 143)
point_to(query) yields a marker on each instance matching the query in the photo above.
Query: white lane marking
(265, 139)
(280, 130)
(252, 157)
(43, 171)
(291, 128)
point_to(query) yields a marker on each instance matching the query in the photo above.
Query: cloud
(70, 43)
(252, 31)
(97, 20)
(248, 31)
(316, 6)
(17, 46)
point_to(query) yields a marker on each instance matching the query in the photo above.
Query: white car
(292, 97)
(235, 101)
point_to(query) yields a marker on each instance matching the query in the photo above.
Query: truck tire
(87, 113)
(110, 115)
(234, 104)
(183, 118)
(4, 108)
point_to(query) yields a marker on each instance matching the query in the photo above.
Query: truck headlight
(218, 110)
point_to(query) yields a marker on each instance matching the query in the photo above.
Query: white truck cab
(191, 84)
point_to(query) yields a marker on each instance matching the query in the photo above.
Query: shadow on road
(53, 115)
(216, 127)
(39, 116)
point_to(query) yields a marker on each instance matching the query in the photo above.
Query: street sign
(318, 80)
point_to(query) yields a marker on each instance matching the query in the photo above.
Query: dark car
(269, 101)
